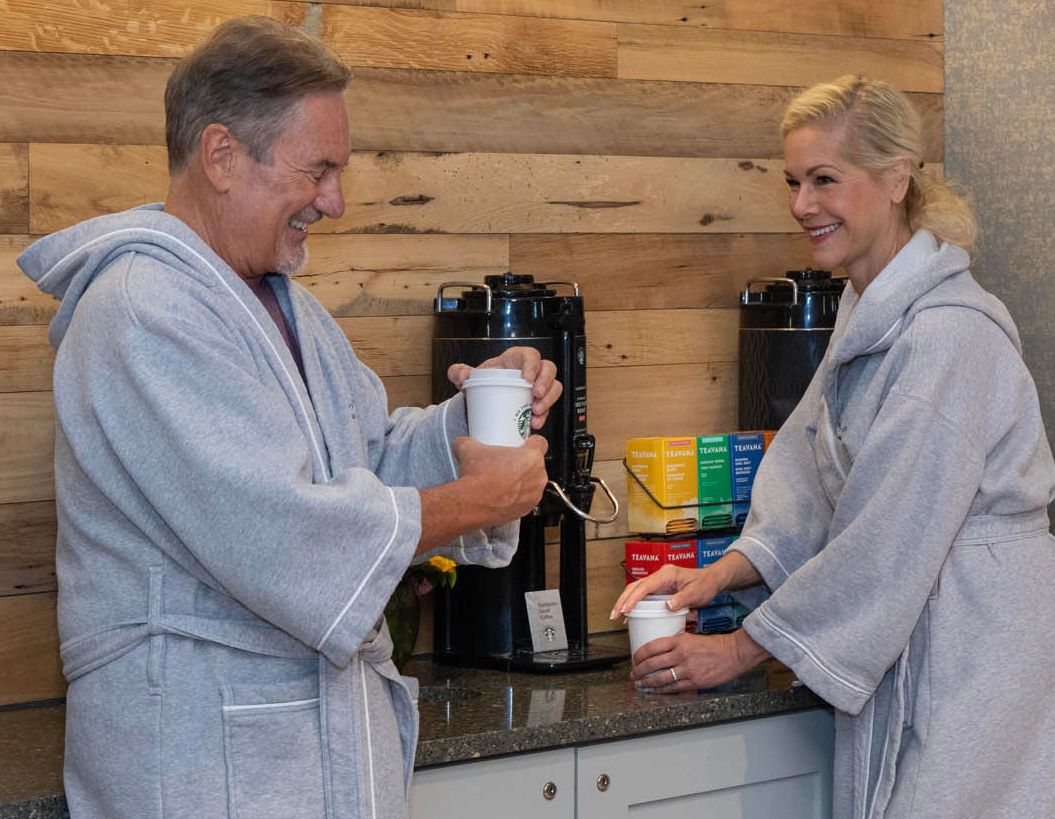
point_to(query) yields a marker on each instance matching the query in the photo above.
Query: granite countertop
(471, 714)
(466, 714)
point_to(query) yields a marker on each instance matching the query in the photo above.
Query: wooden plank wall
(630, 146)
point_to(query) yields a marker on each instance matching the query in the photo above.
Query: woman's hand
(697, 661)
(690, 588)
(542, 373)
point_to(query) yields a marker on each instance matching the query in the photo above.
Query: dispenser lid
(801, 299)
(515, 285)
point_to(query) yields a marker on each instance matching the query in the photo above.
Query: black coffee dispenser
(483, 621)
(784, 333)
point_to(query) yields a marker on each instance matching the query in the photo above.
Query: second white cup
(650, 619)
(498, 403)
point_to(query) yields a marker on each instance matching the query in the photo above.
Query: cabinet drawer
(753, 769)
(510, 788)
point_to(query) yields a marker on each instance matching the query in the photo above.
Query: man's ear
(217, 149)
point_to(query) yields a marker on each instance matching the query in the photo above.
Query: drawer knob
(603, 782)
(549, 790)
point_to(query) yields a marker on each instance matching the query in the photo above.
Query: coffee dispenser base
(568, 660)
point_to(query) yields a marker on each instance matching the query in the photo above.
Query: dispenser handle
(471, 286)
(554, 487)
(772, 280)
(573, 285)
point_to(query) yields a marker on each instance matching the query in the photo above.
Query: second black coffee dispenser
(785, 328)
(483, 621)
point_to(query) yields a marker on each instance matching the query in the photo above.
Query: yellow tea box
(667, 468)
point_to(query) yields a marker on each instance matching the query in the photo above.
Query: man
(235, 504)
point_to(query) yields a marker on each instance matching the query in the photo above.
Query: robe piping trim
(208, 264)
(893, 327)
(454, 472)
(369, 743)
(763, 614)
(271, 706)
(369, 573)
(769, 552)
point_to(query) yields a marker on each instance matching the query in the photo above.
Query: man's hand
(540, 372)
(497, 484)
(508, 481)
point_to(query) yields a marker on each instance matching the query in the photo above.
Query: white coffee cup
(499, 406)
(650, 619)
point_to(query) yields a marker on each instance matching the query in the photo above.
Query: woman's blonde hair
(883, 127)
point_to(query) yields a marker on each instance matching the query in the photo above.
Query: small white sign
(546, 620)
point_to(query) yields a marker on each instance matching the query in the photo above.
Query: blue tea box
(745, 454)
(708, 550)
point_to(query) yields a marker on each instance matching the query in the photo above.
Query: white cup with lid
(650, 619)
(498, 403)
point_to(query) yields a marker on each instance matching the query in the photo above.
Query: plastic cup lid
(655, 606)
(491, 377)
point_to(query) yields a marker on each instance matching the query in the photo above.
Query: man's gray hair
(248, 76)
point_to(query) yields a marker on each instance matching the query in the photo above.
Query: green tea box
(714, 481)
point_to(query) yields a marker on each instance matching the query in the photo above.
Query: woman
(899, 518)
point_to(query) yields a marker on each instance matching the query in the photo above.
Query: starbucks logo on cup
(523, 419)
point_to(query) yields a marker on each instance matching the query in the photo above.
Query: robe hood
(924, 274)
(66, 263)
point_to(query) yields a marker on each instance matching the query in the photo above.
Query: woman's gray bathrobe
(228, 536)
(899, 521)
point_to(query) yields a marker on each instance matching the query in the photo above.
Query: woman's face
(854, 217)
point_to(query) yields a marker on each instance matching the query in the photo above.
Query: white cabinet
(751, 769)
(527, 786)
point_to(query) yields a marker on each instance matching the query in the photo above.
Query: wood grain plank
(14, 188)
(83, 98)
(27, 441)
(29, 649)
(529, 193)
(407, 391)
(456, 111)
(456, 193)
(26, 359)
(658, 271)
(899, 19)
(402, 345)
(663, 400)
(76, 182)
(118, 100)
(391, 274)
(390, 38)
(396, 345)
(604, 581)
(148, 28)
(614, 475)
(637, 338)
(27, 547)
(20, 300)
(768, 58)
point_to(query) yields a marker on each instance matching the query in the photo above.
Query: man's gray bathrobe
(899, 521)
(228, 536)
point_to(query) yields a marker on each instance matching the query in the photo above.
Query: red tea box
(645, 556)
